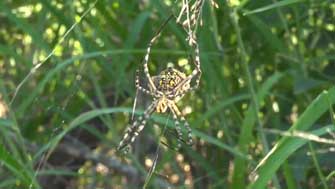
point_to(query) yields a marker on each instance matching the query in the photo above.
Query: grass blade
(247, 127)
(20, 171)
(286, 145)
(273, 6)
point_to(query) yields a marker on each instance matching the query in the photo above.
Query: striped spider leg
(181, 90)
(138, 85)
(146, 57)
(178, 115)
(133, 131)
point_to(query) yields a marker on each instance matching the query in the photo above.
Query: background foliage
(268, 68)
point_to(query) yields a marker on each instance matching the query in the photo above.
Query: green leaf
(287, 145)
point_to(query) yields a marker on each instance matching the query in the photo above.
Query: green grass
(259, 118)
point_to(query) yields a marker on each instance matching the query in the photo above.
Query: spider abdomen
(168, 80)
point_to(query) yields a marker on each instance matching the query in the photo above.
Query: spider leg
(178, 129)
(173, 107)
(178, 91)
(146, 57)
(197, 72)
(133, 131)
(138, 85)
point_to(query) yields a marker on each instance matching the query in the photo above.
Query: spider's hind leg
(189, 131)
(176, 113)
(178, 129)
(133, 131)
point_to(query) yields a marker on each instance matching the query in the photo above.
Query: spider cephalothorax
(167, 89)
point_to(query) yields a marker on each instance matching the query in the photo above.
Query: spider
(166, 89)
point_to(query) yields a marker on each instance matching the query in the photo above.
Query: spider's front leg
(133, 131)
(145, 64)
(184, 86)
(197, 71)
(176, 113)
(138, 85)
(146, 57)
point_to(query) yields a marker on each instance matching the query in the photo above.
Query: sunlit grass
(262, 118)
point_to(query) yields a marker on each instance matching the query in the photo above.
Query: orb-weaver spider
(167, 89)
